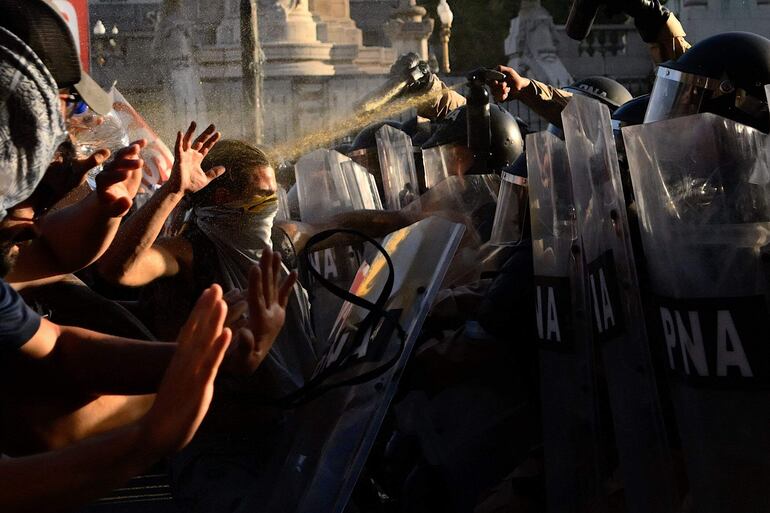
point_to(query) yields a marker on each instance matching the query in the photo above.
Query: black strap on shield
(323, 382)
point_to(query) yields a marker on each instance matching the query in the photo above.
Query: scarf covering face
(239, 235)
(31, 124)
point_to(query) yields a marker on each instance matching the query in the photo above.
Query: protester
(47, 359)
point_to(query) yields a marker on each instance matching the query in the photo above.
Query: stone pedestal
(531, 46)
(290, 40)
(409, 29)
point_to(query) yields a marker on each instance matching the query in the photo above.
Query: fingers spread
(210, 142)
(186, 140)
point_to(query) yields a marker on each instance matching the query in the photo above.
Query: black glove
(415, 72)
(649, 16)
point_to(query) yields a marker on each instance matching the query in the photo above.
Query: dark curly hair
(239, 159)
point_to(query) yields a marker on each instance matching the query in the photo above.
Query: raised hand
(510, 87)
(267, 298)
(187, 175)
(119, 182)
(188, 385)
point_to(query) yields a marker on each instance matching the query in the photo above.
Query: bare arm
(67, 478)
(374, 223)
(63, 357)
(543, 99)
(76, 236)
(135, 258)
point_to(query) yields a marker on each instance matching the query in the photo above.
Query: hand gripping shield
(574, 455)
(399, 175)
(702, 185)
(615, 308)
(328, 439)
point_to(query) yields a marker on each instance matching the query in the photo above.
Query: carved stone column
(409, 29)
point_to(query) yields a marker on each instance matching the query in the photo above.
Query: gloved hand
(658, 26)
(415, 72)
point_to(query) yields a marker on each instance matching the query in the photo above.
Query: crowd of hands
(232, 334)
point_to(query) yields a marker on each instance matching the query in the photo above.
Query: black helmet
(723, 74)
(608, 91)
(631, 113)
(507, 142)
(367, 138)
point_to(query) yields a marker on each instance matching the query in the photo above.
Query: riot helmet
(724, 74)
(446, 153)
(607, 90)
(363, 151)
(629, 114)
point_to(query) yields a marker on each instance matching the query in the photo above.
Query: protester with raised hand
(44, 358)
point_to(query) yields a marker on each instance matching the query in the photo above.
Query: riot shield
(510, 216)
(327, 440)
(615, 307)
(575, 469)
(321, 185)
(399, 177)
(470, 200)
(328, 185)
(702, 186)
(362, 186)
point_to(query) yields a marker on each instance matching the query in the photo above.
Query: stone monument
(532, 45)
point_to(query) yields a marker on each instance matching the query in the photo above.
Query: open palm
(187, 176)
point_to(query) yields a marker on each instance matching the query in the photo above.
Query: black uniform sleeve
(18, 322)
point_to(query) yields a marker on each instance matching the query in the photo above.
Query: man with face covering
(40, 357)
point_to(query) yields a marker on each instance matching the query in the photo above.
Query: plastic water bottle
(92, 132)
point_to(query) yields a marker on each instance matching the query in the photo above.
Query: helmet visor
(511, 214)
(677, 94)
(444, 161)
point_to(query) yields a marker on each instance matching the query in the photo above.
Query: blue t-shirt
(18, 322)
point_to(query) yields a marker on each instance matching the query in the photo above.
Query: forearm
(374, 223)
(546, 101)
(70, 239)
(65, 479)
(103, 364)
(137, 235)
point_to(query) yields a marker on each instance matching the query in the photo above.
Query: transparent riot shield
(510, 216)
(327, 440)
(321, 185)
(362, 186)
(399, 177)
(327, 185)
(574, 448)
(702, 186)
(470, 200)
(283, 205)
(615, 307)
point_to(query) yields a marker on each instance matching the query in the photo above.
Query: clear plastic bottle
(91, 132)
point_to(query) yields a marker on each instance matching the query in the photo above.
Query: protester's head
(249, 176)
(31, 129)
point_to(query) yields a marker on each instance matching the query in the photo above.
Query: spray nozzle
(483, 76)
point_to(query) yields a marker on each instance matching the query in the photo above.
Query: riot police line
(617, 260)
